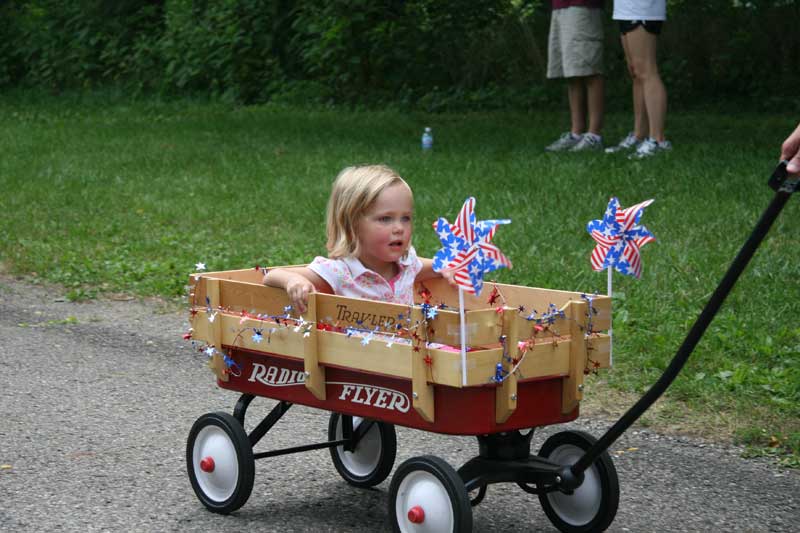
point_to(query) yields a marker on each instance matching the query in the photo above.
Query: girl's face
(384, 232)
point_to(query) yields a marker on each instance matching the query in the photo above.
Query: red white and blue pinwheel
(619, 238)
(467, 249)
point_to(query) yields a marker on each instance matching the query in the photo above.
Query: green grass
(127, 198)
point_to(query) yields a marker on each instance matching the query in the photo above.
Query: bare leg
(641, 128)
(577, 104)
(595, 88)
(642, 50)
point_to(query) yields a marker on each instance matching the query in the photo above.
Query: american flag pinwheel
(467, 248)
(619, 238)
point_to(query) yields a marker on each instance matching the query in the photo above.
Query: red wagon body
(375, 365)
(529, 352)
(466, 411)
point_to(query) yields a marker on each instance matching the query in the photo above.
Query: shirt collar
(357, 268)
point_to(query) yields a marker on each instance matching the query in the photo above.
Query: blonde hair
(354, 191)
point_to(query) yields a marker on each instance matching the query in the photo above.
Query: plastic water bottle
(427, 140)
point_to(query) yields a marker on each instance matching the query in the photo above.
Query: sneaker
(628, 143)
(650, 147)
(589, 141)
(565, 142)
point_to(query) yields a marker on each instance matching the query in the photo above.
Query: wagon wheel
(593, 505)
(220, 461)
(372, 459)
(427, 495)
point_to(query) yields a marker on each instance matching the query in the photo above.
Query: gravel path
(98, 398)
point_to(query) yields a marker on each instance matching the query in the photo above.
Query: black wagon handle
(784, 186)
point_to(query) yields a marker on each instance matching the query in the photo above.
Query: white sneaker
(628, 143)
(649, 148)
(565, 142)
(589, 141)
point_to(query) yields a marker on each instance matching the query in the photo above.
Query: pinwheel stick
(463, 328)
(610, 321)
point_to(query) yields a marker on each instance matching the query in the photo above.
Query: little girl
(369, 225)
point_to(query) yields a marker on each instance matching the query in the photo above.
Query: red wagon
(374, 365)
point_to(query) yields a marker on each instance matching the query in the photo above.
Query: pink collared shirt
(349, 277)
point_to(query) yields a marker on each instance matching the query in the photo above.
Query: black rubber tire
(221, 424)
(378, 446)
(600, 484)
(449, 479)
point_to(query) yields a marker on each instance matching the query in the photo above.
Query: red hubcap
(207, 464)
(416, 515)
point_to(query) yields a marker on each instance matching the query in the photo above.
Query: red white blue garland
(402, 330)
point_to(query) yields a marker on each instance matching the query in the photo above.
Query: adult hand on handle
(790, 151)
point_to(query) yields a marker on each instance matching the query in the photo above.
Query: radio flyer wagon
(374, 365)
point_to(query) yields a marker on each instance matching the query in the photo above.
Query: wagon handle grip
(784, 187)
(780, 179)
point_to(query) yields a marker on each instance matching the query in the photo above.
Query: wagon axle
(207, 464)
(416, 515)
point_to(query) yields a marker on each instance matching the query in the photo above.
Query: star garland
(402, 331)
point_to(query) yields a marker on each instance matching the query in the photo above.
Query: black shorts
(651, 26)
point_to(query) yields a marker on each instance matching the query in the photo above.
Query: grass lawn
(127, 198)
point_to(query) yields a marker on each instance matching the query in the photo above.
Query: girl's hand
(449, 275)
(298, 289)
(298, 282)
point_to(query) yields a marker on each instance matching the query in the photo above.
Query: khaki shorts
(575, 46)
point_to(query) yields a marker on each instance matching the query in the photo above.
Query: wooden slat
(532, 298)
(599, 351)
(235, 333)
(506, 393)
(422, 391)
(197, 291)
(526, 328)
(217, 363)
(362, 314)
(572, 386)
(340, 350)
(546, 359)
(315, 374)
(480, 366)
(255, 298)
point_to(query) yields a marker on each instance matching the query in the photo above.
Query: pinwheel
(619, 240)
(467, 249)
(468, 252)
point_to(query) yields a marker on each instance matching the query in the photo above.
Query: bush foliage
(441, 53)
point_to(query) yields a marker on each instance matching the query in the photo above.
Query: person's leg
(595, 88)
(576, 91)
(642, 50)
(641, 128)
(555, 70)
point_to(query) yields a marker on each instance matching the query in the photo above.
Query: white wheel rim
(365, 458)
(219, 484)
(582, 506)
(423, 489)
